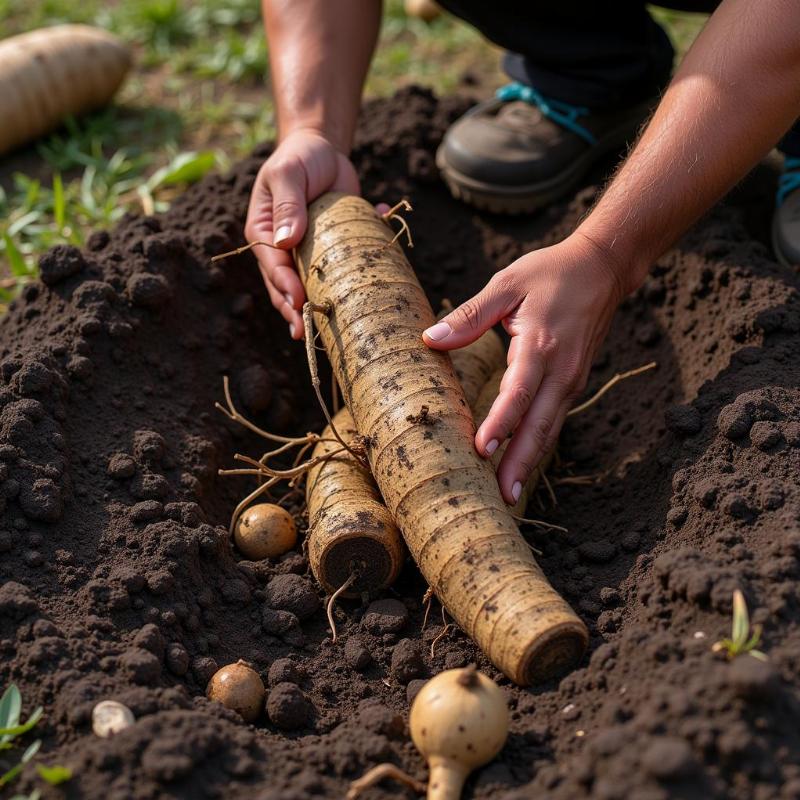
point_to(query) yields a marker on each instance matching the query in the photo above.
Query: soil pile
(118, 580)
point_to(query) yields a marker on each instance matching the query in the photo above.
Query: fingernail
(283, 233)
(291, 330)
(288, 299)
(492, 446)
(439, 331)
(516, 490)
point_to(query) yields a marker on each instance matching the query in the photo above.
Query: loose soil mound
(119, 580)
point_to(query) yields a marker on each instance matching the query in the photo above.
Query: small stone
(668, 758)
(356, 654)
(292, 593)
(407, 662)
(683, 420)
(110, 717)
(287, 707)
(148, 291)
(734, 421)
(121, 466)
(177, 659)
(283, 670)
(765, 435)
(385, 616)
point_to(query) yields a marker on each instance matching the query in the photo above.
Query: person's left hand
(557, 304)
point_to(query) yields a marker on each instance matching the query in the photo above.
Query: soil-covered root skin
(409, 408)
(351, 532)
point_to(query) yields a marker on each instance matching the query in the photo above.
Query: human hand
(303, 166)
(557, 304)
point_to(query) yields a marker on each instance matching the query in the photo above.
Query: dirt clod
(288, 708)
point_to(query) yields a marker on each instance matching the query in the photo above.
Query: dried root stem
(448, 626)
(403, 205)
(540, 524)
(243, 249)
(620, 376)
(379, 773)
(427, 599)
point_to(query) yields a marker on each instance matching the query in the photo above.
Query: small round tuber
(458, 721)
(239, 688)
(264, 531)
(110, 717)
(426, 10)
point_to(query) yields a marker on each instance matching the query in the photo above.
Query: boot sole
(776, 250)
(533, 196)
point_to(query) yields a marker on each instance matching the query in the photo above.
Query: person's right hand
(303, 166)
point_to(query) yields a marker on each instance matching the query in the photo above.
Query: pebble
(287, 707)
(110, 717)
(385, 616)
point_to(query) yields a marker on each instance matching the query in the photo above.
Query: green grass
(199, 86)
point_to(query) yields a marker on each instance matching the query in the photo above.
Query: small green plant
(744, 639)
(10, 730)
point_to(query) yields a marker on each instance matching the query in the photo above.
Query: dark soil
(119, 580)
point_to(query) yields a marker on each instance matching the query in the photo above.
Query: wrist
(624, 265)
(316, 127)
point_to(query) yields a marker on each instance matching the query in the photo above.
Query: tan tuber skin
(110, 717)
(239, 688)
(264, 531)
(418, 431)
(458, 722)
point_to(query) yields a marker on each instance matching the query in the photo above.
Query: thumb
(471, 319)
(287, 184)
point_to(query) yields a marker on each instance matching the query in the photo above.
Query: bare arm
(736, 93)
(319, 55)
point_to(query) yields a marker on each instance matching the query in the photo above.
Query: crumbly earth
(118, 579)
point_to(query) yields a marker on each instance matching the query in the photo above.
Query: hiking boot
(786, 219)
(519, 151)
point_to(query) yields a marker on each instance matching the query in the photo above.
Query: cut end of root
(553, 654)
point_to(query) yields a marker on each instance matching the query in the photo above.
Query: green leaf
(184, 168)
(741, 621)
(55, 774)
(10, 706)
(59, 206)
(19, 270)
(31, 751)
(17, 730)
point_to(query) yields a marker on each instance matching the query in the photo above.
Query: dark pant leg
(586, 52)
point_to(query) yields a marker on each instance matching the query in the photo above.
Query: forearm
(319, 56)
(736, 92)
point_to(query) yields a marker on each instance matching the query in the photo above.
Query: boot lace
(789, 181)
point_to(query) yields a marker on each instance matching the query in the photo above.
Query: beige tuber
(239, 688)
(264, 531)
(459, 721)
(110, 717)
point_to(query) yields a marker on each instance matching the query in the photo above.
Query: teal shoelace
(563, 114)
(789, 181)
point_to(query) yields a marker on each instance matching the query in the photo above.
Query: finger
(537, 432)
(288, 187)
(284, 277)
(473, 318)
(382, 208)
(291, 316)
(517, 389)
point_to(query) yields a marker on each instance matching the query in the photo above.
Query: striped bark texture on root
(407, 403)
